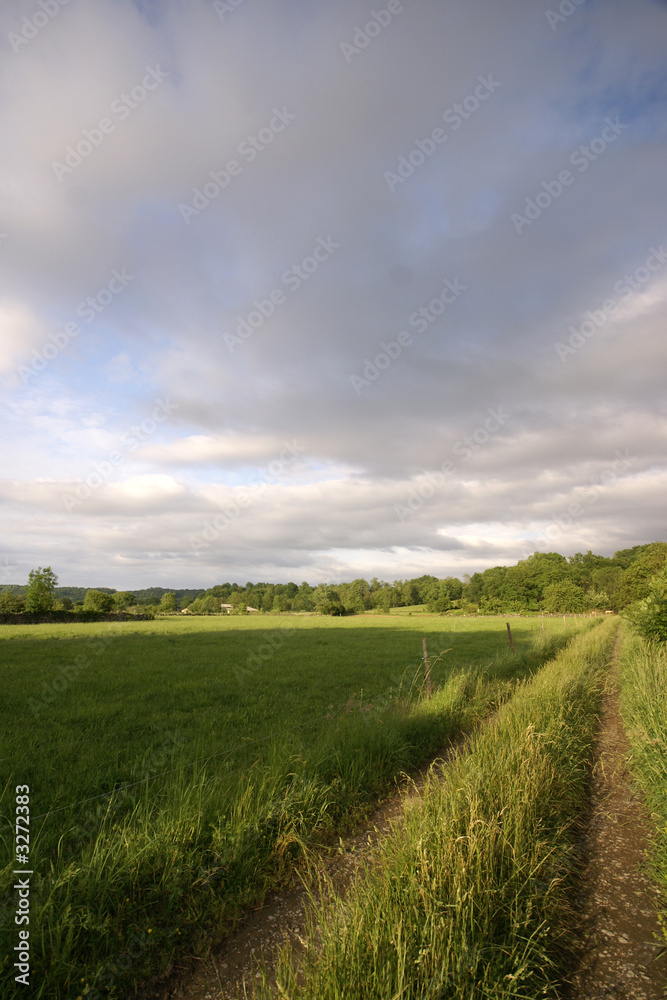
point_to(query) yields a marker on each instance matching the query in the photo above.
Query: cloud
(301, 138)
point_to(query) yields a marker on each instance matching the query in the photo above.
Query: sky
(296, 291)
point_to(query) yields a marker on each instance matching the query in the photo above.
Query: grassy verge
(644, 711)
(157, 871)
(469, 897)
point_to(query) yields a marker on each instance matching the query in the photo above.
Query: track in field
(621, 956)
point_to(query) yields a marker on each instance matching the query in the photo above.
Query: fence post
(427, 668)
(509, 636)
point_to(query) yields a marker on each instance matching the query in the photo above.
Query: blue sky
(272, 375)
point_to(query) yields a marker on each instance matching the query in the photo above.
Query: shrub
(649, 616)
(122, 600)
(10, 602)
(97, 600)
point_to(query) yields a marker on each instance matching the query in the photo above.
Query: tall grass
(469, 897)
(164, 868)
(644, 711)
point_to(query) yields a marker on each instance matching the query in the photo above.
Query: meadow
(181, 767)
(470, 895)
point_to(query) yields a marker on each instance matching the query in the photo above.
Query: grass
(644, 711)
(243, 742)
(469, 897)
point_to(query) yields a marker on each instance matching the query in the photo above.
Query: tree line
(544, 582)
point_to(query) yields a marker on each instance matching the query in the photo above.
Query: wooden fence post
(427, 668)
(509, 636)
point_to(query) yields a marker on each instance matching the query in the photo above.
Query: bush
(10, 603)
(97, 600)
(648, 617)
(122, 600)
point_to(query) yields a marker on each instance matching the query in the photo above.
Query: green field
(469, 897)
(180, 767)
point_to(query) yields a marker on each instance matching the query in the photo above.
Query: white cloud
(20, 330)
(332, 510)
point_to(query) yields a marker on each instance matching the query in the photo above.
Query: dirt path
(230, 973)
(620, 956)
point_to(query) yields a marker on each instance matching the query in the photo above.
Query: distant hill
(148, 595)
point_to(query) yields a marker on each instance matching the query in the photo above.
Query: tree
(238, 603)
(563, 597)
(122, 600)
(608, 579)
(638, 578)
(353, 596)
(384, 598)
(63, 604)
(597, 599)
(168, 602)
(437, 597)
(209, 605)
(97, 600)
(40, 594)
(327, 600)
(281, 602)
(303, 600)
